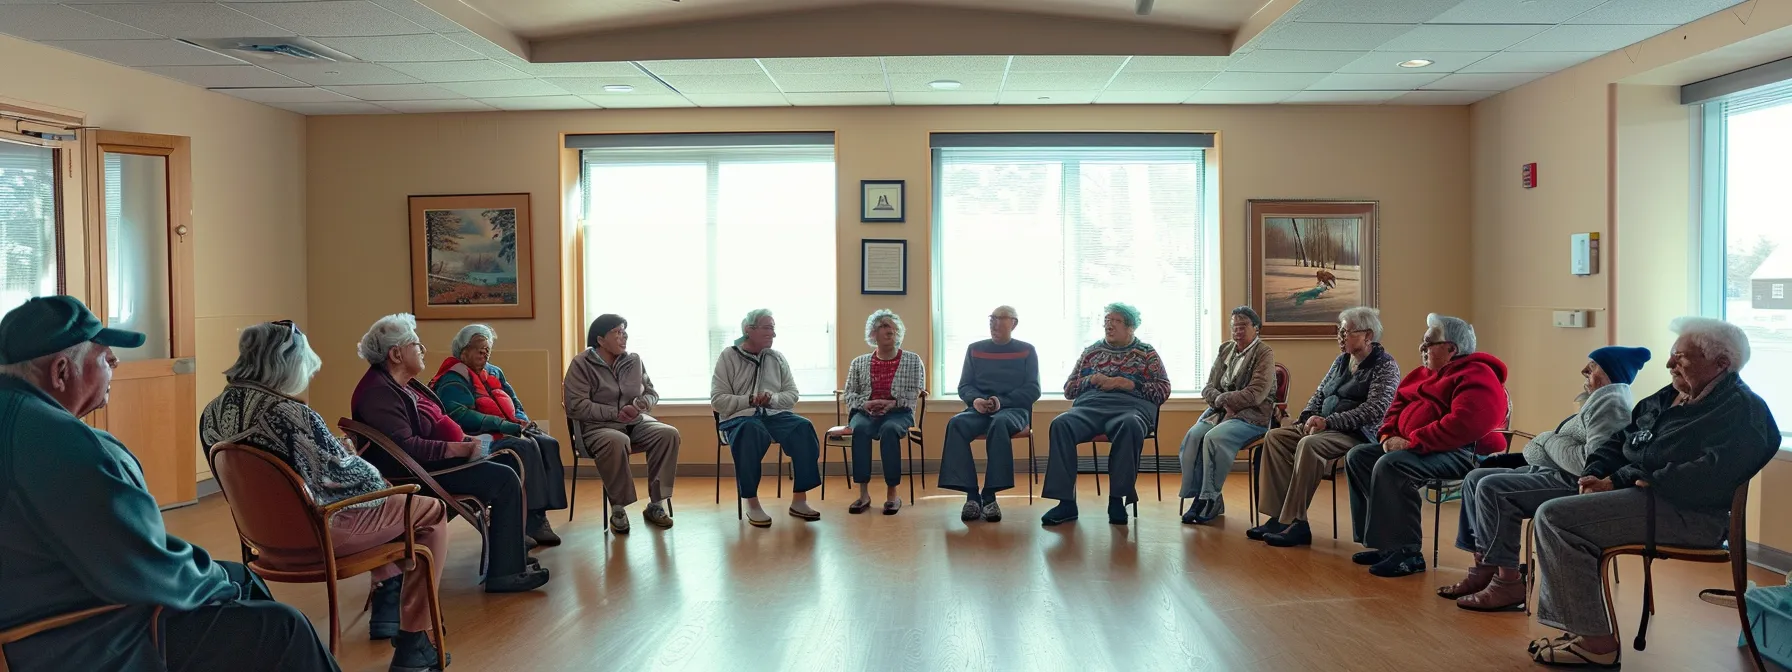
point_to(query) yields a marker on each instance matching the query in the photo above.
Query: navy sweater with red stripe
(1007, 371)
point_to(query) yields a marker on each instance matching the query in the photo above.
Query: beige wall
(248, 185)
(360, 170)
(1614, 149)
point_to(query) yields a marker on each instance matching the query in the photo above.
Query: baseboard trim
(1149, 464)
(1769, 558)
(208, 487)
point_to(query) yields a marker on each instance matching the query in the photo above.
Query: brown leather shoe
(1478, 578)
(1500, 595)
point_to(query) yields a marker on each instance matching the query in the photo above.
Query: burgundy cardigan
(380, 403)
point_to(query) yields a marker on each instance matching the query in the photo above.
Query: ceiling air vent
(272, 49)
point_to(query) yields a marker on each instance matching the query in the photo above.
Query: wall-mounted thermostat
(1570, 319)
(1583, 257)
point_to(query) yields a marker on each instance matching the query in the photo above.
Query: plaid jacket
(911, 375)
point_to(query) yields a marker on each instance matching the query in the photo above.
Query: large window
(682, 241)
(28, 238)
(1059, 225)
(1748, 233)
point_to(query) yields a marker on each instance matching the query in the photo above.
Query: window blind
(27, 223)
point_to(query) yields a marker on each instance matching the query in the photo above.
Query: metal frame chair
(840, 436)
(1032, 459)
(1157, 452)
(1253, 450)
(722, 446)
(477, 513)
(579, 450)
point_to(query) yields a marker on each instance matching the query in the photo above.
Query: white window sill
(935, 405)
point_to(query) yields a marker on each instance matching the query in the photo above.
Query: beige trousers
(612, 448)
(1292, 467)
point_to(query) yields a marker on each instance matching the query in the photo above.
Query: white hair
(881, 316)
(387, 333)
(467, 334)
(1005, 311)
(1363, 318)
(1455, 331)
(1715, 338)
(33, 369)
(752, 318)
(274, 356)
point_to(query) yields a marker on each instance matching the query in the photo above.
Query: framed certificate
(883, 266)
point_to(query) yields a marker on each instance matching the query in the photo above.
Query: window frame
(57, 130)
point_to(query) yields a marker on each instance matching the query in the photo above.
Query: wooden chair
(274, 511)
(840, 436)
(40, 626)
(1254, 449)
(1733, 550)
(1156, 450)
(722, 447)
(477, 513)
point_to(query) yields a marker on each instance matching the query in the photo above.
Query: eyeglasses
(1345, 333)
(1426, 345)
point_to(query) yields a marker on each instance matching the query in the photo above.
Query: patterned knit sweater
(289, 429)
(1137, 362)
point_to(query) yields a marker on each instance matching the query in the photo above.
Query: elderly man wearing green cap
(79, 529)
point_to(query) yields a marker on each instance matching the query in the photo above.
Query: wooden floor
(924, 591)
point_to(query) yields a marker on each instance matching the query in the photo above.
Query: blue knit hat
(1620, 363)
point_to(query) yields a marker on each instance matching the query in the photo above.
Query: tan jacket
(1251, 395)
(596, 391)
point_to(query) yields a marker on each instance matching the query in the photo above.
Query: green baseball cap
(46, 325)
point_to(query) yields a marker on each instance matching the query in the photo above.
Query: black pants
(494, 482)
(1386, 513)
(544, 482)
(252, 633)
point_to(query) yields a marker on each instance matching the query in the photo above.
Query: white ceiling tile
(643, 85)
(1160, 81)
(232, 76)
(333, 108)
(332, 18)
(383, 92)
(337, 74)
(1329, 36)
(288, 95)
(1660, 12)
(1441, 97)
(428, 106)
(1282, 60)
(1369, 11)
(504, 89)
(1057, 81)
(738, 99)
(1107, 64)
(1461, 38)
(55, 22)
(927, 65)
(640, 101)
(487, 48)
(793, 83)
(723, 84)
(400, 48)
(1378, 82)
(460, 71)
(139, 53)
(1388, 62)
(839, 99)
(968, 81)
(1238, 97)
(1342, 97)
(188, 19)
(540, 103)
(610, 69)
(823, 66)
(1484, 82)
(1517, 11)
(704, 66)
(1112, 97)
(420, 14)
(1532, 61)
(1262, 81)
(1590, 38)
(1046, 98)
(944, 97)
(1177, 63)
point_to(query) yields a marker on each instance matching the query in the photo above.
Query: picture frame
(1310, 259)
(884, 201)
(471, 257)
(883, 266)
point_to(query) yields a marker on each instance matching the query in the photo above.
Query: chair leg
(435, 604)
(335, 616)
(1608, 568)
(1642, 627)
(1032, 470)
(1334, 507)
(780, 472)
(824, 472)
(572, 503)
(1157, 449)
(1529, 569)
(1095, 463)
(1437, 526)
(718, 473)
(911, 471)
(1251, 488)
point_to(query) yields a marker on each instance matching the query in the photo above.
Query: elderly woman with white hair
(1345, 411)
(607, 388)
(260, 408)
(479, 398)
(1442, 418)
(391, 400)
(1666, 478)
(882, 387)
(753, 395)
(1240, 396)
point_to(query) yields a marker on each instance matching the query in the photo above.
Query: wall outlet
(1571, 319)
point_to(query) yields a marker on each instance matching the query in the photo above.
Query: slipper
(859, 507)
(892, 506)
(1568, 653)
(805, 515)
(756, 522)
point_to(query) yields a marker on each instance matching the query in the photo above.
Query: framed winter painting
(1309, 260)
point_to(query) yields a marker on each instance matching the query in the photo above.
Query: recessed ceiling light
(1416, 63)
(618, 88)
(945, 84)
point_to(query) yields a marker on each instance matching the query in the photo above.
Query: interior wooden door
(140, 275)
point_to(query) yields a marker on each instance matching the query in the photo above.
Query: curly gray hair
(274, 356)
(387, 333)
(1717, 339)
(1455, 331)
(466, 335)
(885, 315)
(1362, 318)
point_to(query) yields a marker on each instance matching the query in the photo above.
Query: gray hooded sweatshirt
(1567, 447)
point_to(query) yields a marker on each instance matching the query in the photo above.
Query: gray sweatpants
(1573, 532)
(1495, 503)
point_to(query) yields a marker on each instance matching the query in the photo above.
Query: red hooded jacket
(1457, 406)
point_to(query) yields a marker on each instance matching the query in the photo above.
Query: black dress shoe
(1271, 527)
(540, 532)
(520, 582)
(1298, 534)
(383, 602)
(415, 653)
(1396, 565)
(1368, 557)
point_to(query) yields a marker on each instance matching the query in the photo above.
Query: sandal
(892, 506)
(1567, 652)
(1479, 577)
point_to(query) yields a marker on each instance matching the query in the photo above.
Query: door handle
(184, 365)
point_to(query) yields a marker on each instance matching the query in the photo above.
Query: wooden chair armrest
(21, 632)
(333, 507)
(482, 460)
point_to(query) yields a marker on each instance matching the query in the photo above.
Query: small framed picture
(882, 201)
(883, 266)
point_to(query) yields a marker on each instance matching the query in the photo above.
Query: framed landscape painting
(470, 257)
(1308, 261)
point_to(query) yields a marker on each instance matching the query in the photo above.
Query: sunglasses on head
(292, 327)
